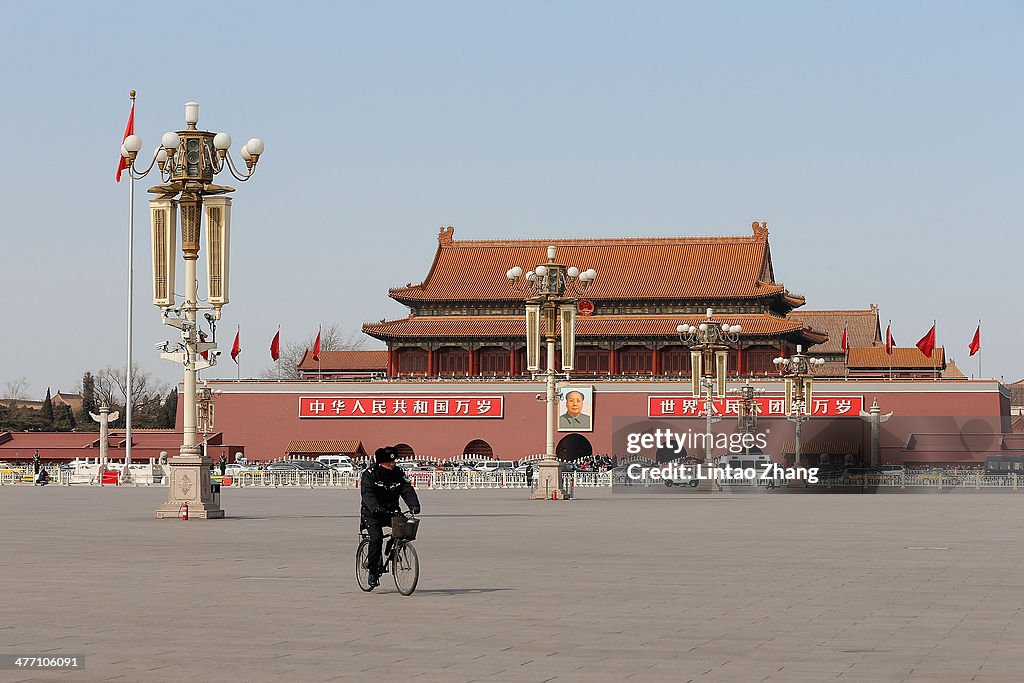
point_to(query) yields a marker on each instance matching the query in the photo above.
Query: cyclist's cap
(385, 454)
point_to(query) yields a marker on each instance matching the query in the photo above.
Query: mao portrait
(576, 409)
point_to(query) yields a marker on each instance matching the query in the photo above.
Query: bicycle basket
(403, 528)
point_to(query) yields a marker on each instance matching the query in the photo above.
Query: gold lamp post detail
(798, 370)
(709, 355)
(552, 290)
(187, 161)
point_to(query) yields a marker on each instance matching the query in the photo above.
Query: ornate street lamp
(204, 412)
(187, 161)
(746, 418)
(552, 290)
(709, 359)
(798, 371)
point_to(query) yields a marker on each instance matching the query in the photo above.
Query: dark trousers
(374, 525)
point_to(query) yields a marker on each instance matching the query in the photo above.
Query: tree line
(154, 405)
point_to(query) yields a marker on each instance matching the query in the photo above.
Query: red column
(512, 361)
(391, 363)
(430, 361)
(472, 362)
(612, 365)
(654, 361)
(741, 366)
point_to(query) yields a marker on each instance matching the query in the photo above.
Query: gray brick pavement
(609, 587)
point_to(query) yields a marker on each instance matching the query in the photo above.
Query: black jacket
(381, 488)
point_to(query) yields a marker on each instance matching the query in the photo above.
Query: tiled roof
(861, 327)
(875, 357)
(952, 371)
(328, 446)
(831, 368)
(346, 360)
(629, 268)
(1017, 393)
(596, 326)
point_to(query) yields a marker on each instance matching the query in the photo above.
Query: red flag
(976, 342)
(122, 163)
(843, 344)
(275, 346)
(927, 342)
(889, 341)
(236, 348)
(316, 347)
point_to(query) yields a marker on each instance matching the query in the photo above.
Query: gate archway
(478, 447)
(404, 450)
(573, 447)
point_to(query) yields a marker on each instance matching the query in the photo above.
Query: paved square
(610, 587)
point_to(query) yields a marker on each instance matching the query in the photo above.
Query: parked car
(297, 466)
(890, 471)
(686, 477)
(339, 463)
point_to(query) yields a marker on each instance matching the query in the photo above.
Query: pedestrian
(223, 465)
(35, 463)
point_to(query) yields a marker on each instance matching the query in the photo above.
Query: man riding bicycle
(381, 486)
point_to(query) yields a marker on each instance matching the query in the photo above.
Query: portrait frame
(587, 390)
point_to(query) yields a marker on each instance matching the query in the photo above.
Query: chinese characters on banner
(686, 406)
(401, 406)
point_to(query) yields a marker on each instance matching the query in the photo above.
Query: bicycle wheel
(362, 571)
(405, 567)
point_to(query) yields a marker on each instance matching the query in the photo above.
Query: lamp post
(798, 371)
(204, 412)
(709, 359)
(187, 161)
(552, 289)
(746, 420)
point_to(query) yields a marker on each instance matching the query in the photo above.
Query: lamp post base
(708, 486)
(549, 481)
(190, 483)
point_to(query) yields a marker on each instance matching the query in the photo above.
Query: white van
(338, 463)
(494, 465)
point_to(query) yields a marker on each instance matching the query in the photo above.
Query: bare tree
(332, 338)
(16, 388)
(147, 394)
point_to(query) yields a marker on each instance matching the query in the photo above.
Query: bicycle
(399, 555)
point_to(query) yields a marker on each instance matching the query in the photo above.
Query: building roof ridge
(606, 241)
(861, 311)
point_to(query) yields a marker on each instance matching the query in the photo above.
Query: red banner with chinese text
(767, 406)
(401, 406)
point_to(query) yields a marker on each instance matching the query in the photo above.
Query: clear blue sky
(880, 141)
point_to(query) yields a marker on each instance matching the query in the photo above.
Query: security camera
(540, 397)
(162, 346)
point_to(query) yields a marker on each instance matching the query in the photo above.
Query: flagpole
(319, 370)
(238, 364)
(979, 348)
(888, 336)
(131, 278)
(935, 361)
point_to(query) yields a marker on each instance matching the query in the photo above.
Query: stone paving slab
(608, 587)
